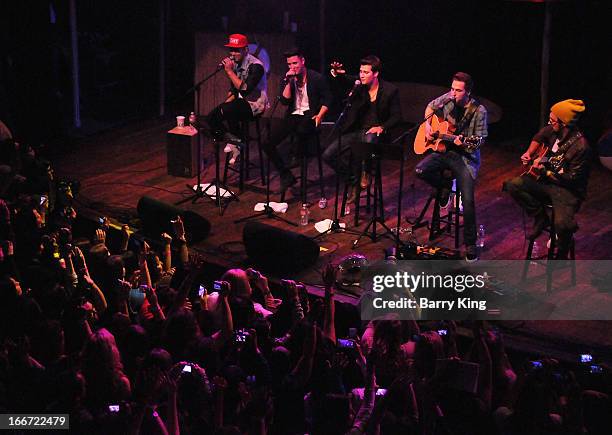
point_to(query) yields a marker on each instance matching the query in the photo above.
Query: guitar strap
(568, 143)
(467, 117)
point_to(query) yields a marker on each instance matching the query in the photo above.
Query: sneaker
(444, 196)
(364, 181)
(235, 154)
(471, 254)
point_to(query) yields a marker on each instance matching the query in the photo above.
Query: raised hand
(179, 228)
(228, 64)
(166, 238)
(337, 68)
(100, 236)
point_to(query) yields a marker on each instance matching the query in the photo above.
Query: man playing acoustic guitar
(558, 175)
(467, 118)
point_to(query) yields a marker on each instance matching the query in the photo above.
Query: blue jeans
(349, 161)
(431, 169)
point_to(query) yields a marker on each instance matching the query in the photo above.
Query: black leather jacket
(576, 159)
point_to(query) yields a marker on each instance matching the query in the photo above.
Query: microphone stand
(198, 191)
(416, 224)
(268, 211)
(335, 225)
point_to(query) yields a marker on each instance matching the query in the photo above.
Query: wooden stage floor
(118, 167)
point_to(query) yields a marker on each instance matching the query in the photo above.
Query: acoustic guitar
(552, 163)
(442, 132)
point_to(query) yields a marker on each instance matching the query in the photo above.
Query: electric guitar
(548, 163)
(442, 132)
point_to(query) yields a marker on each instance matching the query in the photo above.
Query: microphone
(220, 65)
(286, 79)
(355, 86)
(445, 102)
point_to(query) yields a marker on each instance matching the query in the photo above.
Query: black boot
(286, 181)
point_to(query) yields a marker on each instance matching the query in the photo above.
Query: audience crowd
(127, 339)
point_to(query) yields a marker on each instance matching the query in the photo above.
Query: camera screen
(345, 343)
(187, 369)
(201, 291)
(536, 364)
(442, 332)
(240, 336)
(586, 358)
(596, 369)
(113, 408)
(217, 286)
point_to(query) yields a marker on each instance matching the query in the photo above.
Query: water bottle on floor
(304, 215)
(535, 253)
(480, 241)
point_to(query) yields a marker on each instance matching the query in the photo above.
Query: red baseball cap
(237, 40)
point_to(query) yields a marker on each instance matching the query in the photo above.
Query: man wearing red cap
(247, 96)
(562, 182)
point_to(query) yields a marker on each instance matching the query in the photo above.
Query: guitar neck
(447, 137)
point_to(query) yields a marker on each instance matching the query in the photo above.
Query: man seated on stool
(375, 108)
(563, 183)
(306, 94)
(246, 98)
(437, 169)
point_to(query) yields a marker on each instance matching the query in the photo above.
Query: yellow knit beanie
(568, 111)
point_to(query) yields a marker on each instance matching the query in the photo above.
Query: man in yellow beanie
(562, 181)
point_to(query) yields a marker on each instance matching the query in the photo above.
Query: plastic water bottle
(535, 253)
(480, 241)
(192, 119)
(304, 215)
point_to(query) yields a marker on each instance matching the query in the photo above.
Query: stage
(116, 168)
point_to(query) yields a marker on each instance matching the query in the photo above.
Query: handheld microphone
(355, 86)
(220, 65)
(445, 102)
(288, 78)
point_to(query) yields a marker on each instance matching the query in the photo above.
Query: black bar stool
(245, 164)
(550, 265)
(441, 223)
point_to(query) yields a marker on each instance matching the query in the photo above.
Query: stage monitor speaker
(279, 251)
(182, 152)
(156, 216)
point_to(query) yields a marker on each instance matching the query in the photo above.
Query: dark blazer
(387, 105)
(318, 94)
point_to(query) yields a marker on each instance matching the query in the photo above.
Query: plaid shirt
(476, 127)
